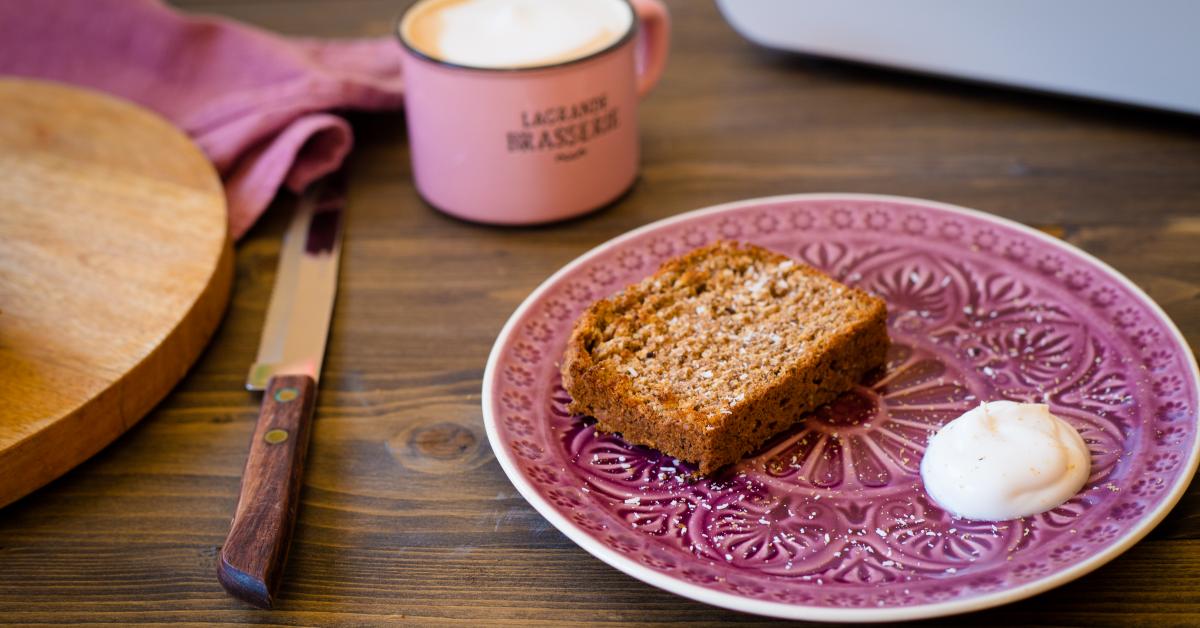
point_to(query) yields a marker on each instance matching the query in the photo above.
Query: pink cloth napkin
(255, 102)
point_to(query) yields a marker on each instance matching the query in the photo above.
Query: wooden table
(406, 515)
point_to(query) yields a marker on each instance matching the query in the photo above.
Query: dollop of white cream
(522, 33)
(1005, 460)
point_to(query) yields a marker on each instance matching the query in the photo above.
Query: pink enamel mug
(528, 145)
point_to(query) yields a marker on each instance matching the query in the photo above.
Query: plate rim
(819, 613)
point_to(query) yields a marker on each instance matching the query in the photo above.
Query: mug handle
(654, 39)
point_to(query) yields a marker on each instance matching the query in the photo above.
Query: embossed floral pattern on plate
(829, 520)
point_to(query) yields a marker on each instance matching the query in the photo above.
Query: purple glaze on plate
(832, 514)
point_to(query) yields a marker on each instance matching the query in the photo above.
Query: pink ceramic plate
(830, 521)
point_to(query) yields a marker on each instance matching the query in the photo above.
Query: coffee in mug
(515, 33)
(525, 111)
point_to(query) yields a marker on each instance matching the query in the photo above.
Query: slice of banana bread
(719, 350)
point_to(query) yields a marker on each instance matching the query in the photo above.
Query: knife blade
(287, 369)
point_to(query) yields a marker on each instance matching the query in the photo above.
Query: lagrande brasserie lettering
(563, 126)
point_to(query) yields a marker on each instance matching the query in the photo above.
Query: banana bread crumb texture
(719, 350)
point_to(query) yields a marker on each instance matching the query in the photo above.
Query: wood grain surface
(115, 269)
(405, 514)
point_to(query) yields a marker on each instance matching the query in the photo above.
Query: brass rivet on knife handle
(252, 559)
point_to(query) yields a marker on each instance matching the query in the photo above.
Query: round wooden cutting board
(115, 268)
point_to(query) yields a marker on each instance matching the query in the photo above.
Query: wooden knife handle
(255, 551)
